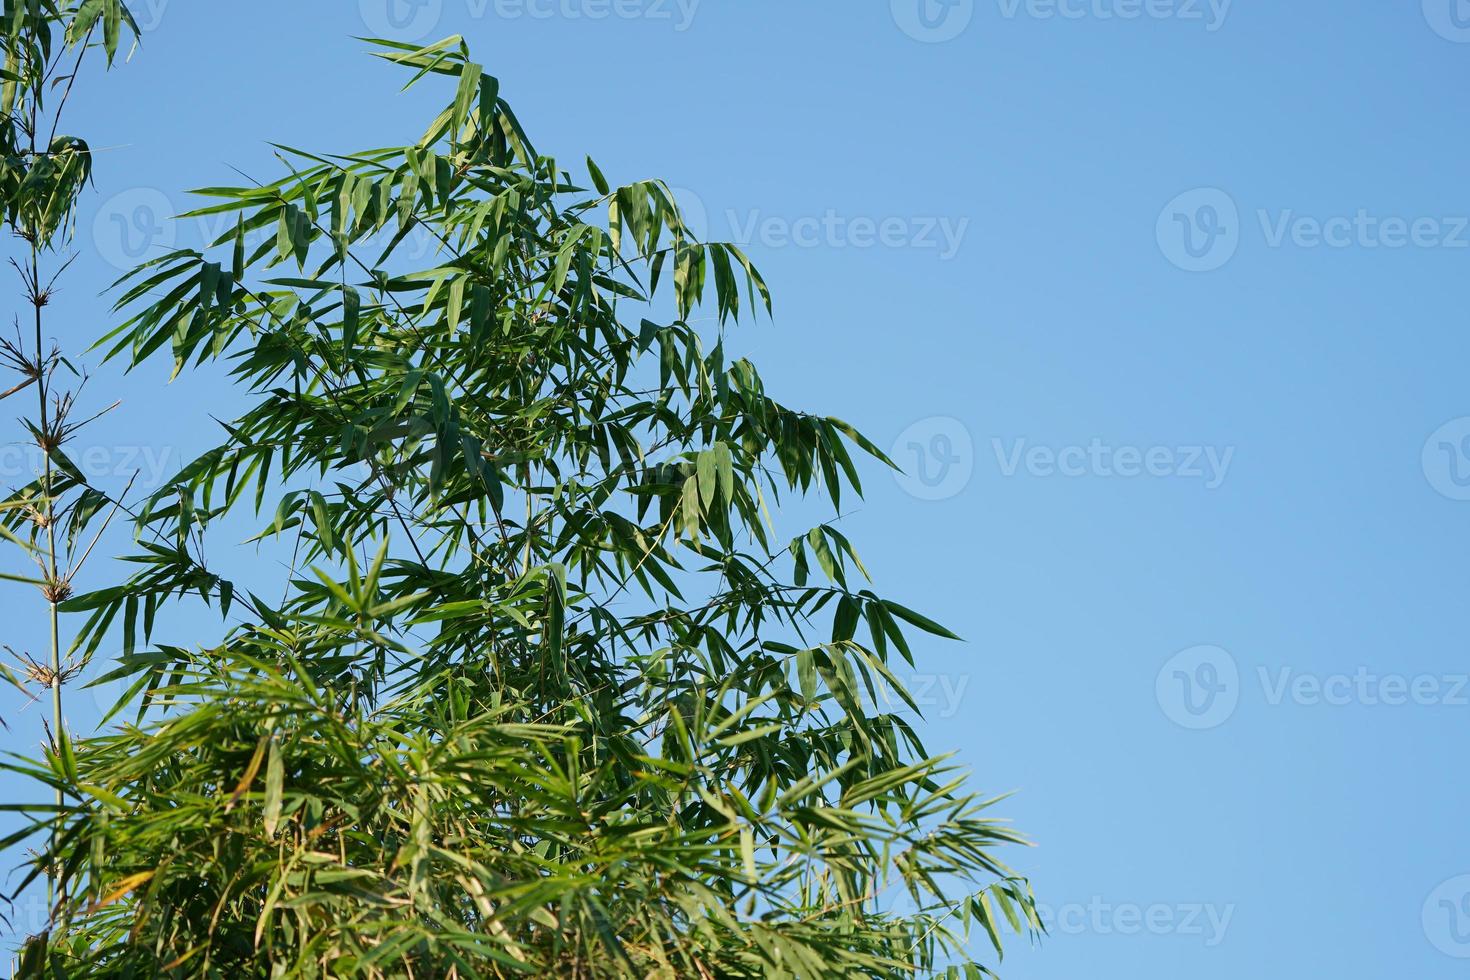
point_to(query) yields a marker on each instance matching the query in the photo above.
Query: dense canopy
(547, 693)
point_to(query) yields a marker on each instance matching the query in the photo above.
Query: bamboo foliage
(548, 694)
(43, 46)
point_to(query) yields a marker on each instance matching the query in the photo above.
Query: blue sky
(1161, 303)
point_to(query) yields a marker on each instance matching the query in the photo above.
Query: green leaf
(598, 180)
(351, 313)
(275, 775)
(915, 619)
(469, 89)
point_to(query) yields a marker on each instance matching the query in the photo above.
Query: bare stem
(48, 518)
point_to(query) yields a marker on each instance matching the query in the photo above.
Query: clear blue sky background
(1192, 818)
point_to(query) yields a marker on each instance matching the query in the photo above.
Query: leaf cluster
(547, 692)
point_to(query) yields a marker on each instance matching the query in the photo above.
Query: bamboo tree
(43, 172)
(550, 691)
